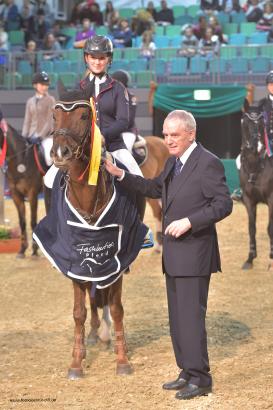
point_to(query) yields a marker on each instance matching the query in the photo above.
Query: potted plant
(9, 239)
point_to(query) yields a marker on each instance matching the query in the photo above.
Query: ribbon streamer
(95, 147)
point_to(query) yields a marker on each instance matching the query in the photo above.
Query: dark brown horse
(256, 178)
(24, 179)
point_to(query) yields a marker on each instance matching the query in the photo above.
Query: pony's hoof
(35, 257)
(91, 340)
(20, 256)
(104, 345)
(158, 249)
(247, 265)
(75, 374)
(124, 369)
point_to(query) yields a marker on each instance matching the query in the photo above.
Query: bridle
(252, 145)
(77, 147)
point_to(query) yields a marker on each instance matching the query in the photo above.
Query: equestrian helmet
(98, 45)
(269, 78)
(41, 78)
(122, 76)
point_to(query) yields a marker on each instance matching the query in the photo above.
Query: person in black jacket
(265, 106)
(111, 99)
(194, 196)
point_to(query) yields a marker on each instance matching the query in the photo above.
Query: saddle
(140, 150)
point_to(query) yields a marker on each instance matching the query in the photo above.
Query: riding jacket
(38, 121)
(112, 110)
(265, 106)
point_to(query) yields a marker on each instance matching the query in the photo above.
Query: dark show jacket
(112, 106)
(199, 193)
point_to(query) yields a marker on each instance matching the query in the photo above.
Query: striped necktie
(177, 168)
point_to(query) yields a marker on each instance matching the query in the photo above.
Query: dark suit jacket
(199, 193)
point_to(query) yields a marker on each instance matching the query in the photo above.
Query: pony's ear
(61, 88)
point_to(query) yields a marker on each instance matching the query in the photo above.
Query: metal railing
(234, 64)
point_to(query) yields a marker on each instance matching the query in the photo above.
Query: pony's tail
(101, 297)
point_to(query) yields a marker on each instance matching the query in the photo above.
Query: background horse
(256, 178)
(157, 156)
(25, 181)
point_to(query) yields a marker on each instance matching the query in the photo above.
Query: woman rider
(111, 99)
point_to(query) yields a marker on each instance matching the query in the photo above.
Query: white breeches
(47, 145)
(126, 158)
(129, 140)
(238, 161)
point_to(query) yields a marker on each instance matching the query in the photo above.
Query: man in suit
(194, 197)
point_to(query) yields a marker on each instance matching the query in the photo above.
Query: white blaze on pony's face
(177, 138)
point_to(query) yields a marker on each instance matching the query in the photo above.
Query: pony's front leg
(252, 211)
(19, 202)
(116, 309)
(79, 351)
(270, 230)
(92, 337)
(33, 200)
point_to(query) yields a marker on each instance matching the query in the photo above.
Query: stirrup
(148, 241)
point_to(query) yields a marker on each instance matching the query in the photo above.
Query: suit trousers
(187, 303)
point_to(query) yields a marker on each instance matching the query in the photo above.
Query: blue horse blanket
(98, 253)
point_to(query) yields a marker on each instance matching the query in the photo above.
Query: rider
(111, 99)
(38, 121)
(265, 106)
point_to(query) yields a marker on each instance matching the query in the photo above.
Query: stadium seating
(239, 65)
(178, 66)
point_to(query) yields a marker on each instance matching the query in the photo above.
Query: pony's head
(72, 127)
(252, 130)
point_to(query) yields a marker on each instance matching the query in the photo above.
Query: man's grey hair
(186, 118)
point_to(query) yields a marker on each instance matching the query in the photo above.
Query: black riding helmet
(122, 76)
(41, 78)
(269, 77)
(98, 45)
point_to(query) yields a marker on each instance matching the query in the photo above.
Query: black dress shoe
(177, 384)
(191, 390)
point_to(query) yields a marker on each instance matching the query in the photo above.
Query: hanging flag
(95, 147)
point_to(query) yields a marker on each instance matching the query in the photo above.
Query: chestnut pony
(71, 153)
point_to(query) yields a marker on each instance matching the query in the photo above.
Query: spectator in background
(60, 37)
(10, 15)
(4, 43)
(141, 22)
(52, 47)
(165, 15)
(254, 11)
(75, 14)
(189, 42)
(25, 13)
(37, 28)
(111, 16)
(209, 45)
(43, 5)
(30, 54)
(122, 36)
(147, 46)
(151, 9)
(95, 15)
(229, 6)
(200, 29)
(82, 36)
(217, 29)
(265, 23)
(209, 7)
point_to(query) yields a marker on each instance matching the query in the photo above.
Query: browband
(70, 105)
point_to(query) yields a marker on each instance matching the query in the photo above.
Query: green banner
(223, 100)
